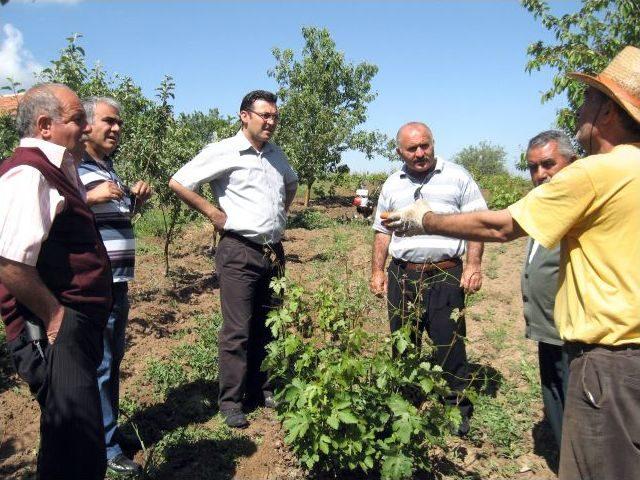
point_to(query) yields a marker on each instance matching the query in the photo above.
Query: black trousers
(65, 384)
(554, 379)
(427, 300)
(245, 271)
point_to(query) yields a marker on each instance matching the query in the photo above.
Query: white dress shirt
(251, 186)
(29, 204)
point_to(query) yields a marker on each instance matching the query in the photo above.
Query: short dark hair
(249, 98)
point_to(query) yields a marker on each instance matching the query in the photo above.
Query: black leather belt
(578, 348)
(264, 248)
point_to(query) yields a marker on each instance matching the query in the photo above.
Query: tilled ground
(162, 317)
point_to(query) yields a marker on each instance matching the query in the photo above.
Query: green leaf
(333, 422)
(397, 467)
(347, 417)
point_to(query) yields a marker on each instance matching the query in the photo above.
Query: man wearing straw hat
(592, 209)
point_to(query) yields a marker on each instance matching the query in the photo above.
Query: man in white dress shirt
(255, 186)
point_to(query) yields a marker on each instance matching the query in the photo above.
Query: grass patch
(198, 452)
(165, 375)
(506, 419)
(310, 219)
(497, 337)
(191, 360)
(492, 265)
(474, 298)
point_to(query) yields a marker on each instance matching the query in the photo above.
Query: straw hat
(620, 81)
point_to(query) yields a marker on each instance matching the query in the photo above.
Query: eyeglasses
(266, 116)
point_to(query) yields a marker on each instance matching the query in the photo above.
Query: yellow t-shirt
(592, 207)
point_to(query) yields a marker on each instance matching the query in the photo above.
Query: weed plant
(345, 403)
(310, 219)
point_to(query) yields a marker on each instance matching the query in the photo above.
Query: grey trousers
(601, 428)
(245, 271)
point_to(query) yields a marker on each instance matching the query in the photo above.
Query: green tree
(8, 135)
(482, 159)
(323, 103)
(211, 126)
(585, 41)
(154, 143)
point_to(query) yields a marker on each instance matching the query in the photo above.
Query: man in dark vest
(547, 154)
(55, 281)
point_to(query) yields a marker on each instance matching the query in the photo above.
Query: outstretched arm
(484, 226)
(487, 226)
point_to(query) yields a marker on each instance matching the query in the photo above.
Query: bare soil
(163, 310)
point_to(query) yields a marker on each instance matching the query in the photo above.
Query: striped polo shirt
(113, 218)
(448, 189)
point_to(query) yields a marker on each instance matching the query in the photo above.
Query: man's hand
(142, 191)
(407, 220)
(471, 279)
(218, 218)
(378, 283)
(104, 192)
(53, 326)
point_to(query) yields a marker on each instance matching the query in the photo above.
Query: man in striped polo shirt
(425, 280)
(113, 204)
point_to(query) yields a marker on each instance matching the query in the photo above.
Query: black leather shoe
(235, 418)
(123, 466)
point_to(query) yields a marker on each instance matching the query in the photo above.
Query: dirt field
(175, 412)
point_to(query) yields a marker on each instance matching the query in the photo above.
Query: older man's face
(544, 162)
(415, 147)
(71, 128)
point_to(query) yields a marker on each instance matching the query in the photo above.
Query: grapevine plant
(345, 403)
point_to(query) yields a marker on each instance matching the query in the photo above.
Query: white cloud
(16, 61)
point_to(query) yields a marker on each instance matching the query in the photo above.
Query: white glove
(408, 220)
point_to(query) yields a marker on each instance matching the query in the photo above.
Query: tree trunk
(307, 195)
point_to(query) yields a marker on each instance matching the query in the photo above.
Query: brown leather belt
(429, 266)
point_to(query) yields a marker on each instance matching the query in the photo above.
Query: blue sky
(458, 66)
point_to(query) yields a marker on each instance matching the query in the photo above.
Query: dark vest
(73, 262)
(539, 283)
